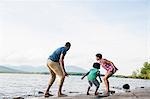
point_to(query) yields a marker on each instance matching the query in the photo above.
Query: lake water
(12, 85)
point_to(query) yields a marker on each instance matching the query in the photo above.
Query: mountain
(38, 69)
(75, 69)
(4, 69)
(31, 69)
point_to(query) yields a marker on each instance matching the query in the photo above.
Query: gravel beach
(138, 93)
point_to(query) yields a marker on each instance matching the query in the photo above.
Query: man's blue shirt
(55, 56)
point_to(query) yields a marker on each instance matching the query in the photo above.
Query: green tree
(135, 74)
(145, 71)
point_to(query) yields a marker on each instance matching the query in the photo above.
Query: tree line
(143, 73)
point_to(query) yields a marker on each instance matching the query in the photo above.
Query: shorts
(55, 67)
(95, 82)
(113, 70)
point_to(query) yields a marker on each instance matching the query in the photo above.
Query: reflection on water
(30, 84)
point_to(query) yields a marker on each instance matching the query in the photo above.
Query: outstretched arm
(85, 75)
(99, 75)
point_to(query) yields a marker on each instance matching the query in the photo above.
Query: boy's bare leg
(88, 90)
(96, 93)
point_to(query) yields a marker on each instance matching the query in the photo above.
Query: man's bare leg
(60, 87)
(52, 79)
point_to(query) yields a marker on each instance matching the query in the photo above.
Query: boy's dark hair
(96, 65)
(99, 55)
(68, 44)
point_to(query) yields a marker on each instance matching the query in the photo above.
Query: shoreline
(137, 93)
(70, 74)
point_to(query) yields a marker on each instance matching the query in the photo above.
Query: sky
(30, 30)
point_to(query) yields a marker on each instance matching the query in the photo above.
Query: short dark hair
(68, 44)
(99, 55)
(96, 65)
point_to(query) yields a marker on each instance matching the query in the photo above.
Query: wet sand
(138, 93)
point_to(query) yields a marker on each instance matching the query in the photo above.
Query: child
(109, 67)
(92, 75)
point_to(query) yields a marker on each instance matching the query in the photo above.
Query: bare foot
(62, 95)
(96, 93)
(47, 95)
(88, 93)
(106, 94)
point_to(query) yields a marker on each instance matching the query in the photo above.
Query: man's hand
(66, 74)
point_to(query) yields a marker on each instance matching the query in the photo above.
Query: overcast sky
(30, 30)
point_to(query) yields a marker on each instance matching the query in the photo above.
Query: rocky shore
(138, 93)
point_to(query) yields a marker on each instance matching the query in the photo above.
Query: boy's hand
(84, 75)
(100, 81)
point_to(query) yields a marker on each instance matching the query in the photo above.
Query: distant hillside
(39, 69)
(31, 69)
(75, 69)
(4, 69)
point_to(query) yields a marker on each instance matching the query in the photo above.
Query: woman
(109, 67)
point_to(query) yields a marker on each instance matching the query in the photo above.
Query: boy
(92, 75)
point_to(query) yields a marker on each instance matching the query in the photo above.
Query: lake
(30, 84)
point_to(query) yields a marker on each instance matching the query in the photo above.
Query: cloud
(31, 30)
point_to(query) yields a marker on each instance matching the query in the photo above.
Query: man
(56, 67)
